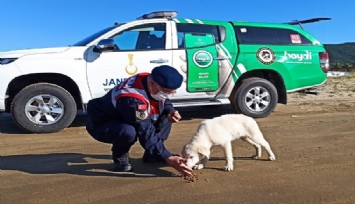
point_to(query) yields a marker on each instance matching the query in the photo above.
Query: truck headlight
(7, 60)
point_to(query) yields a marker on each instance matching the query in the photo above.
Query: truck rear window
(271, 36)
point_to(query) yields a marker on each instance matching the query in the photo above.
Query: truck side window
(270, 36)
(182, 29)
(142, 37)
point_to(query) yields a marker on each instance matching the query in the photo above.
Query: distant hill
(341, 53)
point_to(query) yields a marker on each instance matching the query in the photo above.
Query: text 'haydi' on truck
(252, 66)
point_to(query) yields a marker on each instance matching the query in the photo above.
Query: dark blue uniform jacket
(102, 110)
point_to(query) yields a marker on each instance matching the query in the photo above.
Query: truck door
(138, 48)
(202, 64)
(207, 74)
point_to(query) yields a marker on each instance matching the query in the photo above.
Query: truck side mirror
(106, 45)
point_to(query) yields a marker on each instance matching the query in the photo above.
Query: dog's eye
(191, 157)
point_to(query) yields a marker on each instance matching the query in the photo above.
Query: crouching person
(138, 109)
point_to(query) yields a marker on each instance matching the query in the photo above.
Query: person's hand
(174, 117)
(179, 164)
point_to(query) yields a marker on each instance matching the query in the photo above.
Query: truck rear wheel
(43, 108)
(255, 97)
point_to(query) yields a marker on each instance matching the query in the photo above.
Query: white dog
(222, 131)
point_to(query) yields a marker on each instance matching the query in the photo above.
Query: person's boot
(122, 163)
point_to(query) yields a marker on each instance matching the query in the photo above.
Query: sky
(51, 23)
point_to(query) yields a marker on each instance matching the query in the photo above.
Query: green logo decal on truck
(202, 73)
(299, 58)
(202, 59)
(265, 55)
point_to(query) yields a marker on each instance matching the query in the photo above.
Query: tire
(43, 108)
(255, 97)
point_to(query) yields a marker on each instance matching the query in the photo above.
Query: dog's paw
(272, 158)
(255, 156)
(228, 168)
(198, 166)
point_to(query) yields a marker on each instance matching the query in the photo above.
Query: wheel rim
(44, 109)
(257, 99)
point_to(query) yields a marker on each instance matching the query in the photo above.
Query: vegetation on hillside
(346, 67)
(342, 56)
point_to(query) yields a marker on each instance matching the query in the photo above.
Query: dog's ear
(204, 151)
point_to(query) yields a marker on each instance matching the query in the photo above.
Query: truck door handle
(220, 58)
(159, 61)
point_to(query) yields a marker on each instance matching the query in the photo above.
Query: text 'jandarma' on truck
(250, 65)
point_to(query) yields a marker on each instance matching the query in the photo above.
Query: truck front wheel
(43, 108)
(255, 97)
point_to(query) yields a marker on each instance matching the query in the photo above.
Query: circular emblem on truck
(202, 59)
(265, 55)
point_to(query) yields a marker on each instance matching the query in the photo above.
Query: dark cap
(167, 77)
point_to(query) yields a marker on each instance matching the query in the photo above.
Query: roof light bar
(159, 14)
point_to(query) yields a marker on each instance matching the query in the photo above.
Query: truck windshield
(92, 37)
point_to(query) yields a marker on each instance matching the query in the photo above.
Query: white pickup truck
(251, 66)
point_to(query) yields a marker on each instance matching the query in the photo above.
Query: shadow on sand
(76, 164)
